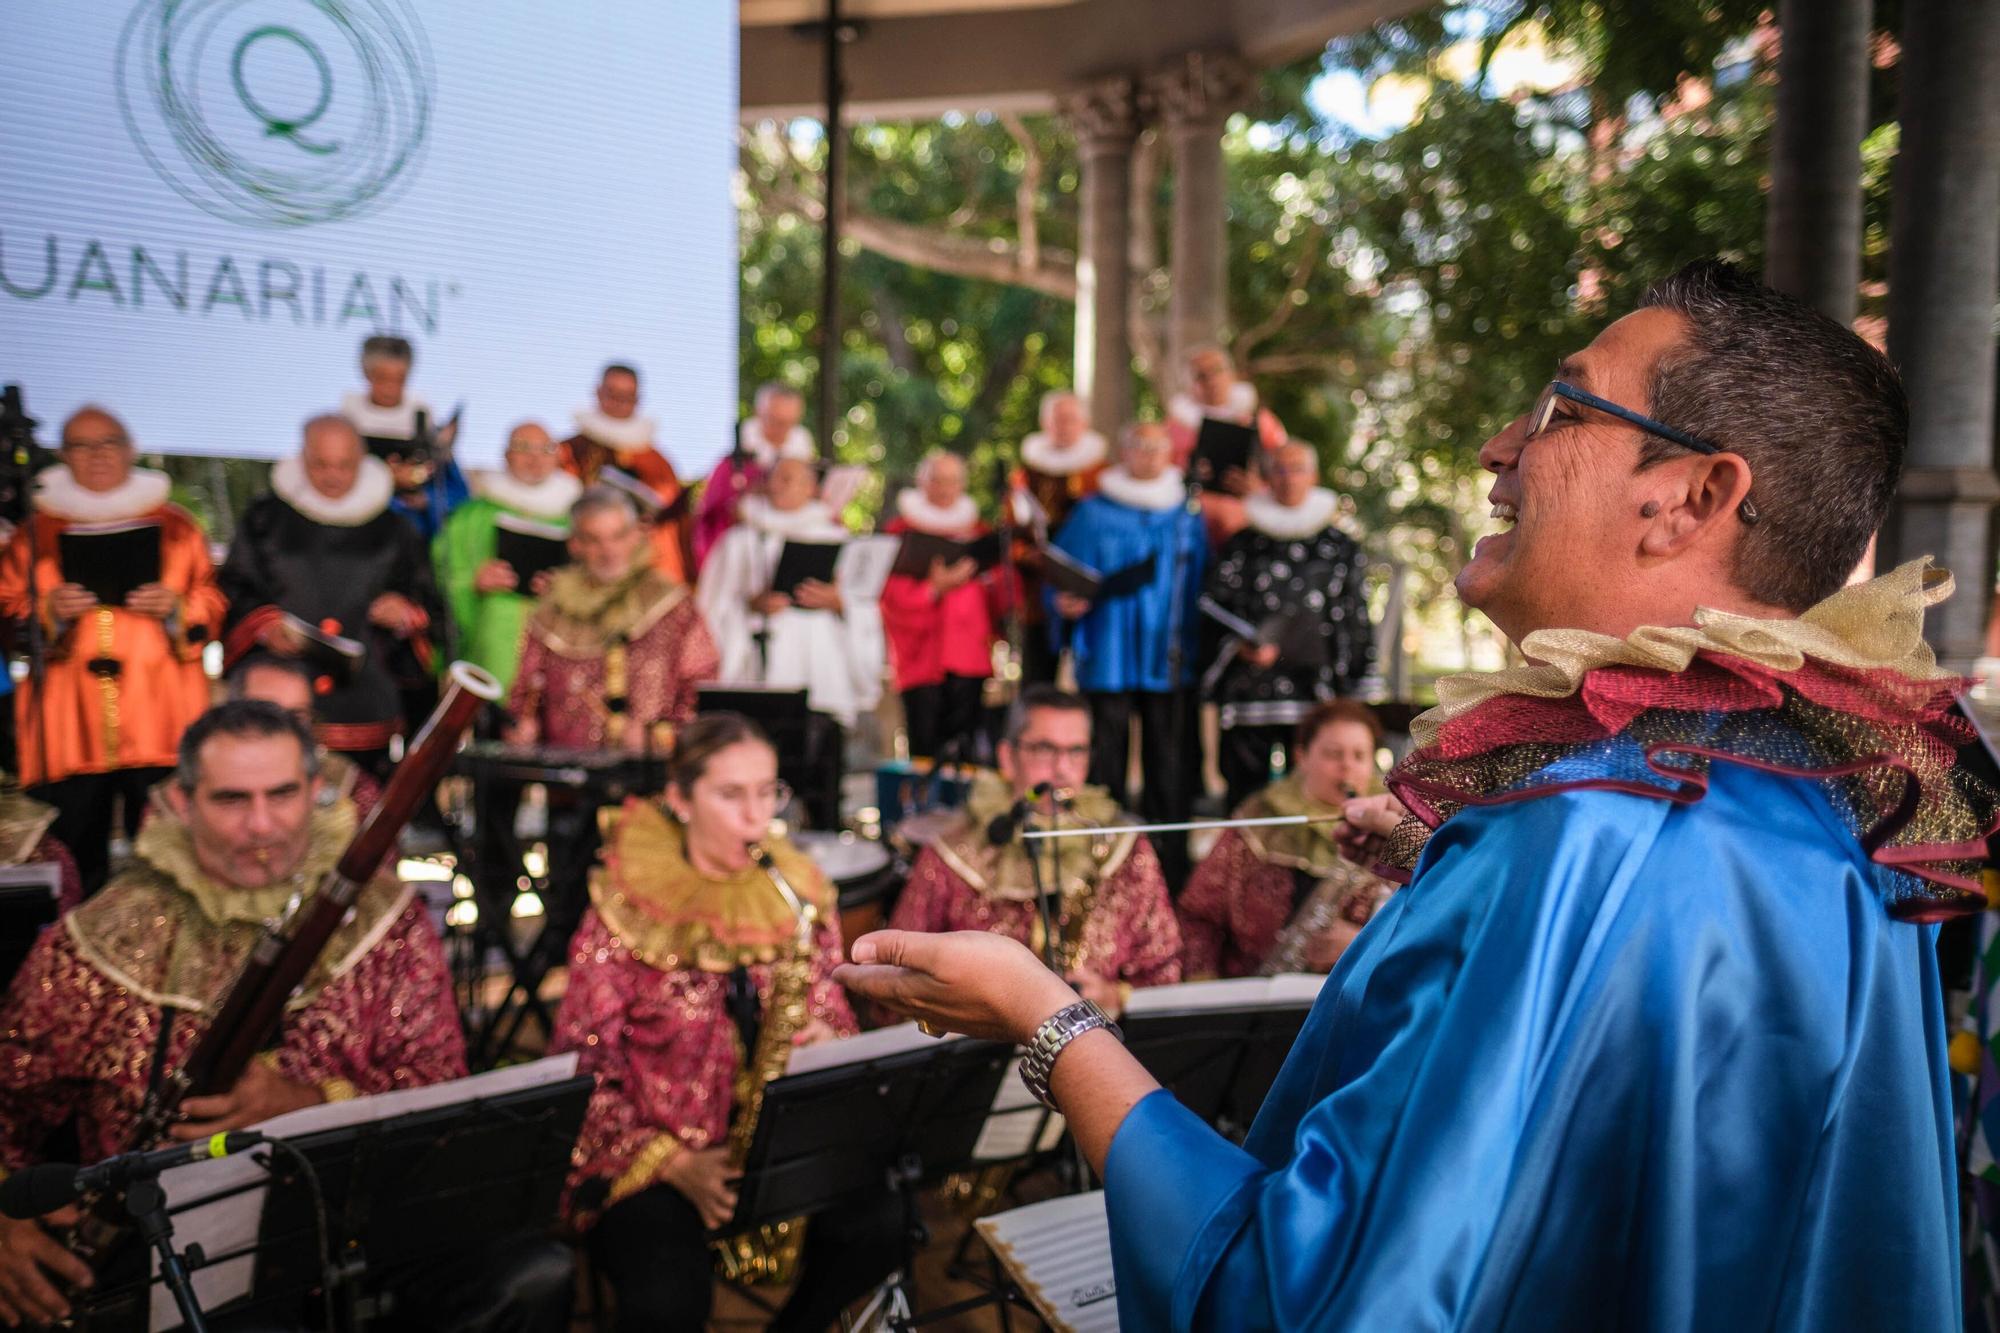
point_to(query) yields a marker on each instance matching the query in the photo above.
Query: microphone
(1000, 830)
(35, 1190)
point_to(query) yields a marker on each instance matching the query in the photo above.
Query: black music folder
(328, 653)
(800, 561)
(529, 547)
(918, 549)
(1295, 633)
(110, 559)
(1220, 446)
(1068, 574)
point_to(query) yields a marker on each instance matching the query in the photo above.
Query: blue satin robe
(1608, 1063)
(1122, 644)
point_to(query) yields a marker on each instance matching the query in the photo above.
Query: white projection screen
(205, 205)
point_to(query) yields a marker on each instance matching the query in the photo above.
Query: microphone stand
(147, 1203)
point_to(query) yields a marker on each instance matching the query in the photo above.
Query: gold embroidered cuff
(645, 1168)
(338, 1090)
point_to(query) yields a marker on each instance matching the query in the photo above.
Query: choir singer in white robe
(827, 639)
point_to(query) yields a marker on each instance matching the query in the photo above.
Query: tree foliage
(1397, 298)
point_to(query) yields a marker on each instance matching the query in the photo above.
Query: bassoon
(251, 1009)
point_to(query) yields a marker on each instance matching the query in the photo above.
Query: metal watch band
(1057, 1031)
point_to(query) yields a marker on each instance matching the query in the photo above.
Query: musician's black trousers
(936, 715)
(1169, 763)
(1245, 759)
(651, 1248)
(83, 815)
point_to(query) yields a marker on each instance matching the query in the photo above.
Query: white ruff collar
(1307, 518)
(384, 423)
(549, 498)
(1241, 406)
(1166, 491)
(633, 432)
(1044, 455)
(798, 444)
(59, 495)
(368, 496)
(810, 522)
(924, 516)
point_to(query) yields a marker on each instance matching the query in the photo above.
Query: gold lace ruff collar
(1004, 872)
(1872, 626)
(672, 917)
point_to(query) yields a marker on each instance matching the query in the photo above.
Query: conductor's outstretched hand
(968, 981)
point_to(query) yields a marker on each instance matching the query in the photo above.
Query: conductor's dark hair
(697, 744)
(619, 368)
(1819, 415)
(240, 717)
(1035, 698)
(389, 347)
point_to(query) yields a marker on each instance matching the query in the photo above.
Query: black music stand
(1219, 1063)
(897, 1121)
(401, 1197)
(27, 905)
(808, 743)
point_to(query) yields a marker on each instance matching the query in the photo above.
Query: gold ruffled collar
(1004, 872)
(166, 844)
(23, 821)
(1877, 625)
(1308, 847)
(671, 916)
(174, 936)
(580, 617)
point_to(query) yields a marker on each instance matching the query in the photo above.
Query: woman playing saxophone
(696, 960)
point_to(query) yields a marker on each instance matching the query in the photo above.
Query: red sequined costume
(1255, 880)
(80, 1024)
(646, 1007)
(1116, 918)
(593, 652)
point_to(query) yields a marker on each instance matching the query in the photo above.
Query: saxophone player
(1283, 899)
(690, 964)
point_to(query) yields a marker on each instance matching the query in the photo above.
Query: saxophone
(1348, 892)
(770, 1252)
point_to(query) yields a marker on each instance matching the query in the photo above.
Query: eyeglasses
(102, 444)
(1544, 415)
(1049, 750)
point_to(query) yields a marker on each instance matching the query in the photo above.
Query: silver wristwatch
(1057, 1031)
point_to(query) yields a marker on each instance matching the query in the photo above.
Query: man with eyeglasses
(1114, 923)
(488, 599)
(119, 683)
(1654, 1037)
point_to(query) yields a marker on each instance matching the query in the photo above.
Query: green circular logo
(278, 113)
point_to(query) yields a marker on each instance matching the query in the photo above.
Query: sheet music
(1291, 990)
(1059, 1254)
(864, 565)
(1018, 1124)
(867, 1046)
(230, 1224)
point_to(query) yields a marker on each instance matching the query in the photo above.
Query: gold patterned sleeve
(698, 660)
(1148, 936)
(1203, 909)
(828, 998)
(55, 1008)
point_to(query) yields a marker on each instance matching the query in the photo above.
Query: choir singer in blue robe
(1653, 1039)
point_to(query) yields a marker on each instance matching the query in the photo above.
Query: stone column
(1944, 271)
(1812, 226)
(1105, 118)
(1195, 96)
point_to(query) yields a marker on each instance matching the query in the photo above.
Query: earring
(1648, 509)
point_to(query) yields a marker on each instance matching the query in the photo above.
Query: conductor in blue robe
(1653, 1038)
(1135, 646)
